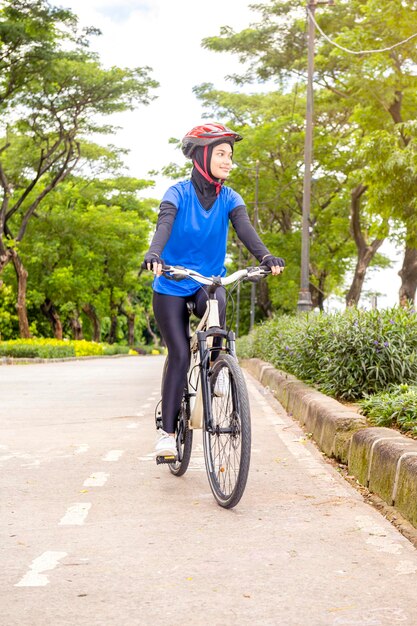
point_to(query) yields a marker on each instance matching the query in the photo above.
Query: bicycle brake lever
(256, 273)
(168, 268)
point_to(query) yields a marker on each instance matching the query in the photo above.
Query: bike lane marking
(35, 577)
(96, 479)
(76, 514)
(113, 455)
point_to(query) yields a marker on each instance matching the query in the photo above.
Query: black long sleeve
(246, 232)
(166, 217)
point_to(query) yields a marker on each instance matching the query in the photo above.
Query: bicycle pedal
(165, 459)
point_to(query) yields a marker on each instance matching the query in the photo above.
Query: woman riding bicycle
(192, 231)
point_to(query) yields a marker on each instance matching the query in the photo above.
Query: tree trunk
(263, 300)
(317, 291)
(408, 274)
(366, 251)
(155, 337)
(22, 277)
(131, 329)
(49, 310)
(5, 258)
(76, 326)
(113, 328)
(91, 313)
(131, 317)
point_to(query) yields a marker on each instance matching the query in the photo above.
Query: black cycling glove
(151, 258)
(271, 261)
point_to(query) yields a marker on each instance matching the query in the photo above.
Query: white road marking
(98, 479)
(140, 414)
(146, 406)
(34, 577)
(148, 457)
(113, 455)
(34, 463)
(133, 425)
(76, 514)
(15, 455)
(83, 447)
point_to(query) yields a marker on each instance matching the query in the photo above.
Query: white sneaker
(166, 445)
(222, 385)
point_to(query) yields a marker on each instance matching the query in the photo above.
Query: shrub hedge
(57, 349)
(346, 355)
(395, 407)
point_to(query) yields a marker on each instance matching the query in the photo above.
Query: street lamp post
(304, 299)
(255, 224)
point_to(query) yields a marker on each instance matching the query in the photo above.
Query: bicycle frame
(200, 349)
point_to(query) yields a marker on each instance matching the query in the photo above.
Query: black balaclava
(207, 188)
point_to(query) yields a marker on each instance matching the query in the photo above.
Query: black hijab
(207, 188)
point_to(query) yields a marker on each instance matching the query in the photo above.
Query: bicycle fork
(199, 378)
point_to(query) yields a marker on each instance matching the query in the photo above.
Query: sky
(166, 36)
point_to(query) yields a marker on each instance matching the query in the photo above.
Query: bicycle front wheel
(227, 446)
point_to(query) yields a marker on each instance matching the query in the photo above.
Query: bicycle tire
(227, 448)
(184, 439)
(183, 433)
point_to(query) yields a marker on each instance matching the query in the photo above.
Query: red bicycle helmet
(205, 135)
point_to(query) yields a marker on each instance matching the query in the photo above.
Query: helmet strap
(205, 171)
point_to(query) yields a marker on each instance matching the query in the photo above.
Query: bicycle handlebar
(248, 273)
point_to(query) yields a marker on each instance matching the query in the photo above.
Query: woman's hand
(154, 263)
(275, 263)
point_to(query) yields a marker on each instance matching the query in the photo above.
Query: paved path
(94, 533)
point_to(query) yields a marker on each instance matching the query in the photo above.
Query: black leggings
(172, 317)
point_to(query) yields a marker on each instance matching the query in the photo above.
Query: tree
(44, 129)
(272, 125)
(84, 252)
(375, 91)
(392, 179)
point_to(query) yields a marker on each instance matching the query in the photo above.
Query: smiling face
(221, 161)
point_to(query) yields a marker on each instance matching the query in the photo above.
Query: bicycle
(215, 397)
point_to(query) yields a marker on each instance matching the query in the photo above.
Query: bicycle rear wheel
(183, 433)
(184, 439)
(227, 447)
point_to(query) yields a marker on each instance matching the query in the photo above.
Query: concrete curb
(381, 459)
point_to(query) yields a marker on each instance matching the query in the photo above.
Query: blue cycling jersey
(198, 238)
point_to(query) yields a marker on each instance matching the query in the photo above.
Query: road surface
(94, 533)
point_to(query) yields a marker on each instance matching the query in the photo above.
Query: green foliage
(114, 348)
(396, 407)
(54, 94)
(364, 118)
(86, 248)
(9, 325)
(345, 355)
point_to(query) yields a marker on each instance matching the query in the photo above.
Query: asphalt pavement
(94, 533)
